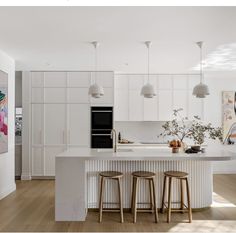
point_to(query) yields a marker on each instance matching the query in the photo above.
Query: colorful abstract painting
(3, 112)
(229, 117)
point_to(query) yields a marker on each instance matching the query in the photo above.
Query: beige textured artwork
(229, 117)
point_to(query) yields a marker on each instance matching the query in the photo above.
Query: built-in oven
(101, 126)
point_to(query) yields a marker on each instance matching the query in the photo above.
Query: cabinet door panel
(55, 124)
(55, 79)
(37, 161)
(121, 106)
(78, 95)
(136, 82)
(50, 155)
(135, 106)
(37, 124)
(55, 95)
(195, 106)
(78, 79)
(104, 78)
(106, 99)
(180, 82)
(164, 82)
(180, 100)
(165, 105)
(78, 124)
(37, 95)
(121, 82)
(150, 109)
(37, 79)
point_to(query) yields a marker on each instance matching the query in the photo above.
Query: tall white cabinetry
(173, 92)
(60, 114)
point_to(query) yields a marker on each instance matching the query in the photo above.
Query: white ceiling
(58, 37)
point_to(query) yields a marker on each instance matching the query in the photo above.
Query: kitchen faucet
(113, 132)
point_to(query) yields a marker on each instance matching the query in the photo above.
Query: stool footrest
(111, 210)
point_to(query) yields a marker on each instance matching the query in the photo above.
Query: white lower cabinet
(37, 161)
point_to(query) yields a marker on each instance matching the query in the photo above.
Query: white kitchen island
(77, 180)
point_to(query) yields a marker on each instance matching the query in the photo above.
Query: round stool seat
(176, 174)
(143, 174)
(111, 174)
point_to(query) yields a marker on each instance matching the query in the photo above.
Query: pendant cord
(96, 63)
(201, 72)
(148, 62)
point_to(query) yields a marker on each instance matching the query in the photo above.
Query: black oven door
(101, 141)
(102, 118)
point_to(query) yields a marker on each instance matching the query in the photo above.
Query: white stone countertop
(144, 154)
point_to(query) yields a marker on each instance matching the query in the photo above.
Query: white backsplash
(141, 131)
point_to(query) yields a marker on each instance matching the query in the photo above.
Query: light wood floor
(31, 208)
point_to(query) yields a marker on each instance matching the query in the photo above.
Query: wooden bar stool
(150, 177)
(115, 176)
(181, 176)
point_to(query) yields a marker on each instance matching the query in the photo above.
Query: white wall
(7, 160)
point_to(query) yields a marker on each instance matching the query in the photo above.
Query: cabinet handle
(68, 132)
(40, 137)
(64, 137)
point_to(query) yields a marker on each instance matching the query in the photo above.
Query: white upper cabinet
(136, 82)
(136, 106)
(77, 95)
(165, 105)
(37, 79)
(54, 95)
(106, 79)
(78, 79)
(78, 125)
(165, 82)
(180, 100)
(55, 79)
(150, 109)
(180, 82)
(37, 95)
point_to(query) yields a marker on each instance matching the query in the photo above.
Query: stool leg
(151, 195)
(182, 195)
(132, 194)
(135, 199)
(120, 201)
(163, 196)
(189, 204)
(154, 200)
(169, 200)
(101, 199)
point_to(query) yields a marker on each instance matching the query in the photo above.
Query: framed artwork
(229, 117)
(3, 112)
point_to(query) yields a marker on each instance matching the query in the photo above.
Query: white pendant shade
(148, 91)
(96, 91)
(201, 89)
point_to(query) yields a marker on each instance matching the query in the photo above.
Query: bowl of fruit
(175, 145)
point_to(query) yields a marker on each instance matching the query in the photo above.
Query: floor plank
(31, 208)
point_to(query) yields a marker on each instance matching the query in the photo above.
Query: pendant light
(201, 90)
(95, 90)
(148, 90)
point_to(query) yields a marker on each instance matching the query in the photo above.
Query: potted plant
(181, 128)
(200, 131)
